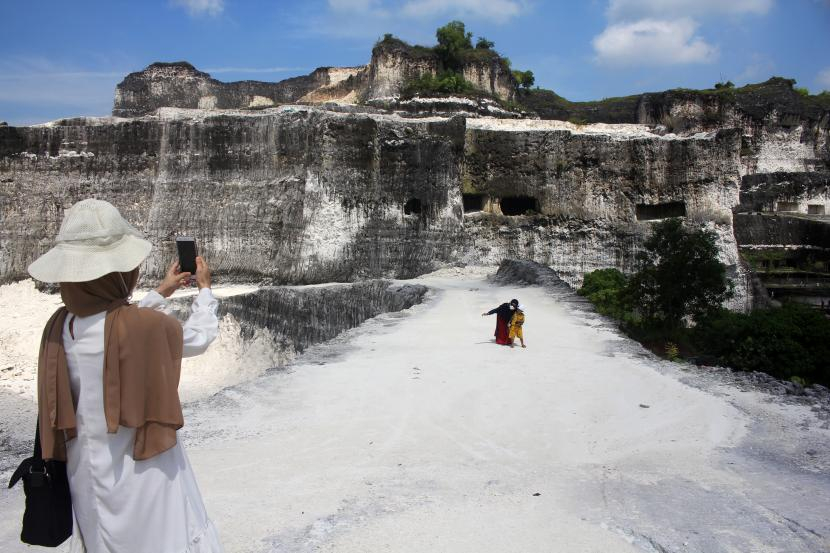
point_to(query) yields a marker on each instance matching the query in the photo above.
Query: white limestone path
(426, 436)
(416, 433)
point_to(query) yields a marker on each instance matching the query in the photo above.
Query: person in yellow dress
(516, 322)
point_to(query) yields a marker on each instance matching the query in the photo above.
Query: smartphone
(187, 254)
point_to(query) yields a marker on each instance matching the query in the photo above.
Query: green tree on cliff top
(453, 40)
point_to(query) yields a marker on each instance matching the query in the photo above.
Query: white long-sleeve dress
(122, 505)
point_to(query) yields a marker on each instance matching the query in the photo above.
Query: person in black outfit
(503, 313)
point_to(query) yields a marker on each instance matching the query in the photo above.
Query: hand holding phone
(186, 245)
(202, 273)
(173, 280)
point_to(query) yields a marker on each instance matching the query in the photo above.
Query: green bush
(524, 78)
(605, 288)
(793, 341)
(447, 82)
(802, 90)
(484, 44)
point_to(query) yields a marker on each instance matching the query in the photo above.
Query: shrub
(484, 44)
(605, 288)
(447, 82)
(679, 275)
(793, 341)
(524, 78)
(802, 91)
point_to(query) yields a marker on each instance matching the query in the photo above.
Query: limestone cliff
(284, 196)
(393, 64)
(588, 194)
(395, 188)
(781, 129)
(179, 84)
(308, 195)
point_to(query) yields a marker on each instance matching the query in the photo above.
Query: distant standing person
(503, 313)
(516, 323)
(108, 402)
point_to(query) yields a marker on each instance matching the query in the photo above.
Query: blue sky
(61, 58)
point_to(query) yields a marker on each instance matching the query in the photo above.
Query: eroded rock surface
(392, 66)
(310, 195)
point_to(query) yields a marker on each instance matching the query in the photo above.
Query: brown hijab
(142, 365)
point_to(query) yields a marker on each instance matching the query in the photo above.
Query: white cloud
(664, 32)
(497, 10)
(196, 8)
(823, 78)
(630, 10)
(652, 42)
(356, 5)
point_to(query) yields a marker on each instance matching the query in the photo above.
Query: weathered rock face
(780, 232)
(392, 66)
(305, 195)
(290, 196)
(299, 318)
(492, 77)
(592, 197)
(181, 85)
(390, 69)
(394, 63)
(781, 129)
(806, 193)
(782, 229)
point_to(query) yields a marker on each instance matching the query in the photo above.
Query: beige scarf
(142, 365)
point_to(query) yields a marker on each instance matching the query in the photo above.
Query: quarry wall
(307, 195)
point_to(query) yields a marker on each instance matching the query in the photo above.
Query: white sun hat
(94, 240)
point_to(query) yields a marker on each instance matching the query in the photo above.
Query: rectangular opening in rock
(473, 202)
(815, 209)
(786, 206)
(518, 205)
(652, 212)
(412, 207)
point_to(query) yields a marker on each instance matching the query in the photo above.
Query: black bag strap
(38, 453)
(35, 463)
(37, 456)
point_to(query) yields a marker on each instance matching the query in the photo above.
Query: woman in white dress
(107, 389)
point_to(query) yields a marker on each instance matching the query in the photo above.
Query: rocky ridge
(393, 64)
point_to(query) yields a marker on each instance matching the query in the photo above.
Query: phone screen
(187, 254)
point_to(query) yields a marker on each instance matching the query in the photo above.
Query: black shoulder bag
(47, 519)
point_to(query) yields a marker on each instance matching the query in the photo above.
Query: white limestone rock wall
(492, 78)
(286, 196)
(306, 195)
(587, 181)
(389, 71)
